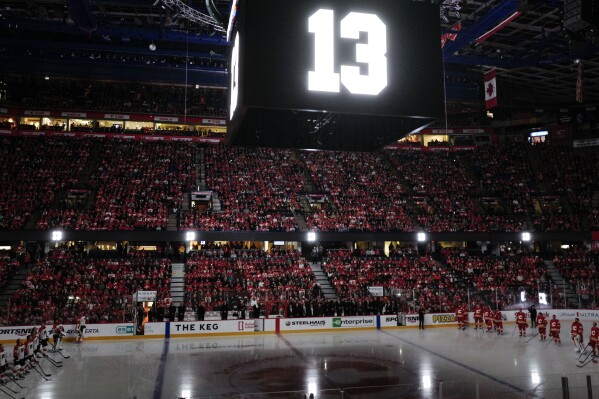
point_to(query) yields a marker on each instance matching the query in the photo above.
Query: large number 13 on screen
(373, 53)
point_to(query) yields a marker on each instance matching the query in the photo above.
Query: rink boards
(188, 329)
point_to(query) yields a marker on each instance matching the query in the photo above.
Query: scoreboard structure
(334, 74)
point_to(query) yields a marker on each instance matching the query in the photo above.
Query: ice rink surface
(393, 363)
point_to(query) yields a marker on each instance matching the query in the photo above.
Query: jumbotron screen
(377, 57)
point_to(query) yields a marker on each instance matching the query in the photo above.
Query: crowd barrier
(214, 328)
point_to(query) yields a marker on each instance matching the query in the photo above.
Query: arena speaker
(580, 14)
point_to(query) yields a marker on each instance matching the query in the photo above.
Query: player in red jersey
(521, 322)
(460, 315)
(542, 326)
(554, 330)
(488, 315)
(594, 340)
(576, 334)
(478, 317)
(498, 321)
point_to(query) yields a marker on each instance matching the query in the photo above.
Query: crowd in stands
(65, 284)
(137, 183)
(32, 171)
(442, 178)
(416, 278)
(68, 282)
(222, 276)
(367, 195)
(505, 172)
(574, 176)
(577, 265)
(85, 95)
(515, 269)
(257, 187)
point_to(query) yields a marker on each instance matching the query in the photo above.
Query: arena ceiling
(535, 56)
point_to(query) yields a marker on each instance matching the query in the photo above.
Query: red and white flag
(490, 89)
(579, 86)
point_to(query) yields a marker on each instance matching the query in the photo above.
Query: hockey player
(57, 335)
(43, 335)
(498, 322)
(521, 322)
(478, 317)
(542, 326)
(80, 329)
(594, 340)
(460, 315)
(488, 315)
(5, 369)
(576, 334)
(18, 355)
(554, 329)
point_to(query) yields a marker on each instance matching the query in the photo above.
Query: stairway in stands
(558, 280)
(595, 200)
(321, 278)
(178, 283)
(200, 166)
(13, 285)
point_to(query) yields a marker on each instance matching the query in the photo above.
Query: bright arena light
(421, 237)
(311, 236)
(57, 235)
(526, 236)
(190, 236)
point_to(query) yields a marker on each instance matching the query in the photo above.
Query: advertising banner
(586, 143)
(436, 319)
(322, 323)
(212, 327)
(117, 116)
(153, 329)
(145, 296)
(166, 119)
(405, 320)
(74, 114)
(91, 331)
(36, 113)
(376, 291)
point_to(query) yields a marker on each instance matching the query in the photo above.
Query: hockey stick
(7, 394)
(11, 390)
(59, 351)
(531, 338)
(14, 380)
(52, 361)
(586, 357)
(581, 365)
(513, 332)
(549, 342)
(37, 365)
(583, 351)
(40, 373)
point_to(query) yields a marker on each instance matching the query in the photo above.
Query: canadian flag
(490, 89)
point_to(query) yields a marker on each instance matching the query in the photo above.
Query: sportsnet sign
(391, 320)
(91, 331)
